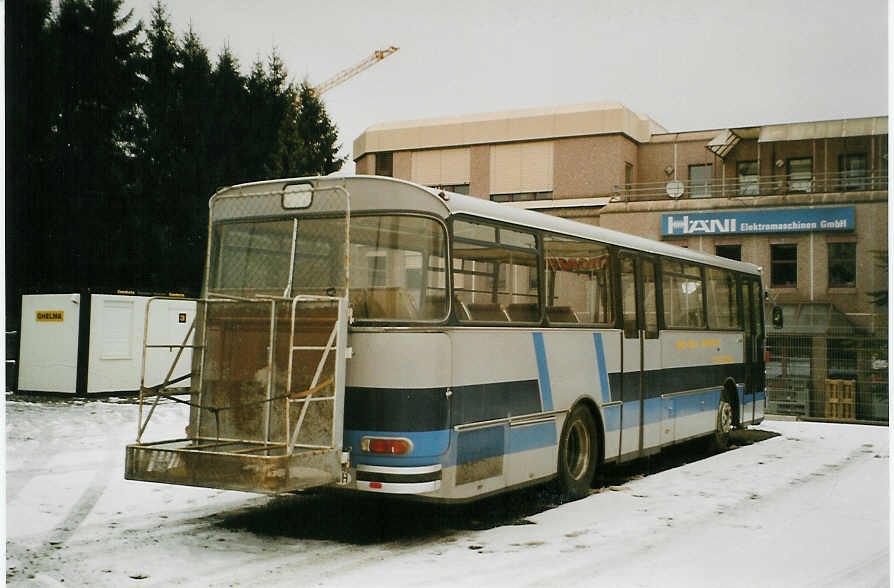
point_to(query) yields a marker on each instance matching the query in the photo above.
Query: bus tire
(723, 425)
(578, 454)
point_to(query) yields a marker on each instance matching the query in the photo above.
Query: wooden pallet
(840, 399)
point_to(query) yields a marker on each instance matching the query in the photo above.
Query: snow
(804, 505)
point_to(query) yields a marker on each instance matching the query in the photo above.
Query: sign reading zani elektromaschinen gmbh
(786, 220)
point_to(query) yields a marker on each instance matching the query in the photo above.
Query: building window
(521, 196)
(455, 188)
(628, 176)
(729, 251)
(749, 184)
(784, 266)
(853, 171)
(385, 163)
(700, 178)
(842, 265)
(800, 174)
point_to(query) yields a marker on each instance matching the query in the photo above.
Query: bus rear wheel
(720, 439)
(577, 454)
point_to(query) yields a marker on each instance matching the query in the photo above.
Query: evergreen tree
(319, 134)
(307, 141)
(188, 212)
(288, 160)
(114, 145)
(95, 59)
(29, 108)
(267, 102)
(226, 136)
(160, 150)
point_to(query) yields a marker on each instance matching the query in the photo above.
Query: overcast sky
(698, 64)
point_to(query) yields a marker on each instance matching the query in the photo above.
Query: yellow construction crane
(347, 74)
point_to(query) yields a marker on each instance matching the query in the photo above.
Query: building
(806, 201)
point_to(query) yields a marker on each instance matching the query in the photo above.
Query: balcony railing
(744, 186)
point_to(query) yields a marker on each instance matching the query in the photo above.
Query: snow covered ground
(805, 507)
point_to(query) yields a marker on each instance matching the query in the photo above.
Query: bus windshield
(397, 263)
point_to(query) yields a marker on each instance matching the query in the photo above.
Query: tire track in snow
(31, 561)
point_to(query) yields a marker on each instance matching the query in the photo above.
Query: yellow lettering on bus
(681, 344)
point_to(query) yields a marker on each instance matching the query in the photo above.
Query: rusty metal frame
(319, 463)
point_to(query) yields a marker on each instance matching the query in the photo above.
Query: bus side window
(579, 281)
(682, 287)
(495, 273)
(722, 307)
(628, 296)
(650, 310)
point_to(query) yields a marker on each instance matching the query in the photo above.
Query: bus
(375, 335)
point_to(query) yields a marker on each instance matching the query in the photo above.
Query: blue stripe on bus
(692, 404)
(428, 447)
(480, 444)
(543, 372)
(611, 416)
(600, 367)
(532, 437)
(432, 447)
(470, 445)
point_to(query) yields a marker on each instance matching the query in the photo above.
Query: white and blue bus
(377, 335)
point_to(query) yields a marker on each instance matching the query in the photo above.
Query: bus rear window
(251, 257)
(398, 269)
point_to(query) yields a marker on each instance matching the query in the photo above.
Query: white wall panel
(438, 167)
(521, 167)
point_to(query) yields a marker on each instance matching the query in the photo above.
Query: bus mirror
(297, 195)
(777, 317)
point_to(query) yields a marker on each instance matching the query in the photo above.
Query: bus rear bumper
(398, 480)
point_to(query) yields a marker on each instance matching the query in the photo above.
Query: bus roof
(447, 204)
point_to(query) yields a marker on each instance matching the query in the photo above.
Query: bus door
(748, 293)
(752, 310)
(640, 354)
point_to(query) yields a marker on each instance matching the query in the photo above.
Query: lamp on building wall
(668, 170)
(779, 163)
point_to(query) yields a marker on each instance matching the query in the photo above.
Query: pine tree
(226, 136)
(289, 158)
(188, 212)
(95, 57)
(115, 144)
(29, 118)
(160, 151)
(266, 104)
(319, 134)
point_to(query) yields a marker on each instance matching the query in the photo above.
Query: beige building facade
(816, 192)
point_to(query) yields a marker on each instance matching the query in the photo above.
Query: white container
(93, 343)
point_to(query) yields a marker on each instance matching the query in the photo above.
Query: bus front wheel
(577, 454)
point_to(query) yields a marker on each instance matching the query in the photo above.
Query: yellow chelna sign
(50, 316)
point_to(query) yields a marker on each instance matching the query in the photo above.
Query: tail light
(386, 445)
